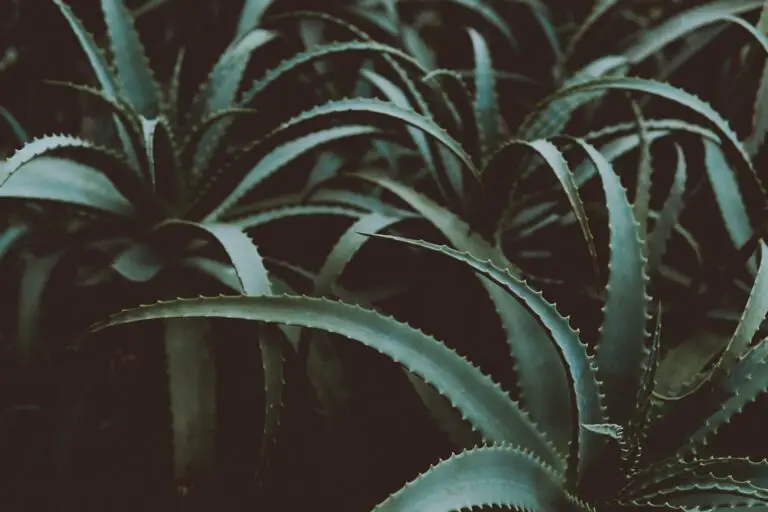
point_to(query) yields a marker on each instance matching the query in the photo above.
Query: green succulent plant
(577, 441)
(390, 137)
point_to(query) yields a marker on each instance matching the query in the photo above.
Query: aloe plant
(371, 122)
(593, 457)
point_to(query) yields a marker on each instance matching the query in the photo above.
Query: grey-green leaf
(131, 62)
(483, 477)
(621, 350)
(481, 401)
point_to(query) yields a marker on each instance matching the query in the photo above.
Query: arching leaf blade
(668, 218)
(65, 181)
(483, 477)
(481, 401)
(131, 61)
(533, 355)
(621, 351)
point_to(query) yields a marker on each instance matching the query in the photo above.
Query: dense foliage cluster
(414, 255)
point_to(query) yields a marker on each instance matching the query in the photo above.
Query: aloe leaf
(220, 91)
(687, 21)
(751, 318)
(760, 115)
(171, 110)
(95, 56)
(163, 163)
(116, 105)
(486, 102)
(621, 350)
(65, 181)
(241, 252)
(733, 475)
(35, 277)
(131, 62)
(728, 196)
(18, 131)
(657, 243)
(684, 363)
(481, 401)
(451, 226)
(148, 128)
(103, 74)
(644, 175)
(252, 279)
(287, 212)
(250, 16)
(416, 46)
(722, 493)
(749, 324)
(483, 477)
(676, 95)
(535, 360)
(192, 389)
(347, 246)
(271, 344)
(283, 155)
(364, 202)
(114, 168)
(323, 364)
(447, 418)
(638, 428)
(664, 125)
(754, 472)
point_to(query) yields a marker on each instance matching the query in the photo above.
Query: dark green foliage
(204, 202)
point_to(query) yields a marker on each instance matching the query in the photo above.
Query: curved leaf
(728, 196)
(35, 278)
(484, 477)
(535, 361)
(65, 181)
(219, 92)
(621, 350)
(480, 400)
(115, 169)
(657, 243)
(751, 318)
(309, 210)
(486, 102)
(250, 16)
(347, 246)
(131, 62)
(103, 74)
